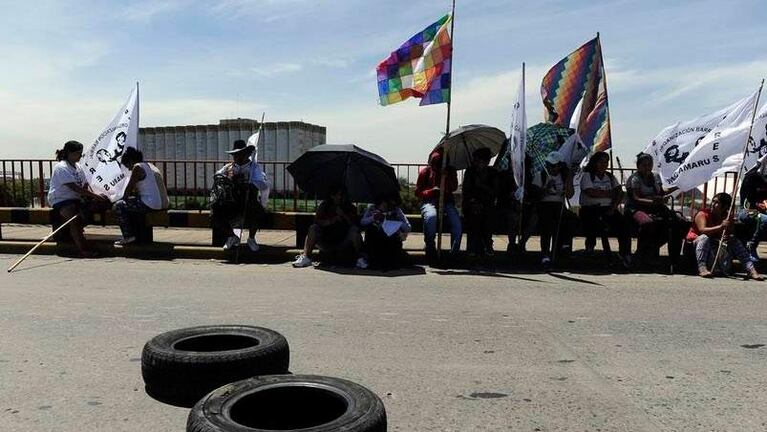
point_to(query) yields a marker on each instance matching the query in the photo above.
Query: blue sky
(67, 66)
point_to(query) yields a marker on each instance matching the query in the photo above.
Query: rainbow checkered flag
(420, 68)
(579, 78)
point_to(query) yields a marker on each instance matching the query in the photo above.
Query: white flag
(719, 150)
(757, 144)
(673, 144)
(518, 140)
(101, 160)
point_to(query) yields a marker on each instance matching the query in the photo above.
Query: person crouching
(150, 193)
(239, 196)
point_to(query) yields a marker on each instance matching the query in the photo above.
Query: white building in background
(185, 153)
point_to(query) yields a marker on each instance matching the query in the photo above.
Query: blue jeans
(760, 220)
(431, 221)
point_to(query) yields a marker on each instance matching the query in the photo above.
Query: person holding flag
(240, 194)
(428, 190)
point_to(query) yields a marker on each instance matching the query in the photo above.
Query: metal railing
(24, 183)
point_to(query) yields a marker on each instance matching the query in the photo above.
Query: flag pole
(440, 209)
(522, 201)
(40, 243)
(738, 177)
(604, 78)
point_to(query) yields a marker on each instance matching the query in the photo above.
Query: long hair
(591, 165)
(69, 147)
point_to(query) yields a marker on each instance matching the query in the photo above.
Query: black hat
(241, 146)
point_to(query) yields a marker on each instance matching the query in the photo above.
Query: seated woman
(645, 205)
(146, 181)
(67, 190)
(551, 185)
(707, 230)
(601, 194)
(386, 228)
(479, 192)
(335, 231)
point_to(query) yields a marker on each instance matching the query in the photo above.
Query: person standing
(68, 188)
(246, 193)
(150, 193)
(428, 190)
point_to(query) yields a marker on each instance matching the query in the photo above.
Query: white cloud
(145, 11)
(275, 69)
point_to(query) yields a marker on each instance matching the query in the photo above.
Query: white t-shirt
(553, 190)
(64, 173)
(151, 190)
(607, 183)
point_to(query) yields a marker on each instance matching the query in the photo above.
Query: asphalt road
(446, 351)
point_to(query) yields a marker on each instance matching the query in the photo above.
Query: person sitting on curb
(335, 230)
(428, 190)
(386, 228)
(68, 188)
(240, 195)
(151, 195)
(711, 225)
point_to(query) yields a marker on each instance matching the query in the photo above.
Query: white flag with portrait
(518, 140)
(757, 143)
(102, 159)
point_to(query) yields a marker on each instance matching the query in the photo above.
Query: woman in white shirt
(601, 194)
(66, 191)
(552, 185)
(151, 195)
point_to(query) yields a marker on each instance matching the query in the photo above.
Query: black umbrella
(364, 176)
(461, 143)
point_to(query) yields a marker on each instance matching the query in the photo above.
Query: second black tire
(305, 403)
(181, 366)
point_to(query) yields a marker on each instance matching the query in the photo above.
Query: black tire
(181, 366)
(288, 403)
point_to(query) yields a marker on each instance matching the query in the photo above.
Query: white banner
(518, 140)
(719, 149)
(757, 144)
(688, 154)
(101, 160)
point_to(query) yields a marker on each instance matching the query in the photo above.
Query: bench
(288, 221)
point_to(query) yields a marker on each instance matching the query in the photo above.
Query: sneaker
(254, 247)
(546, 262)
(125, 240)
(362, 263)
(302, 261)
(231, 242)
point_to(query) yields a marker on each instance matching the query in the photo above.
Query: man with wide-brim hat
(240, 194)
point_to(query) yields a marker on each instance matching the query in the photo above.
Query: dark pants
(128, 211)
(384, 252)
(479, 226)
(656, 228)
(549, 222)
(509, 215)
(600, 221)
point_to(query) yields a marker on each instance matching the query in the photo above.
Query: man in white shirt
(240, 195)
